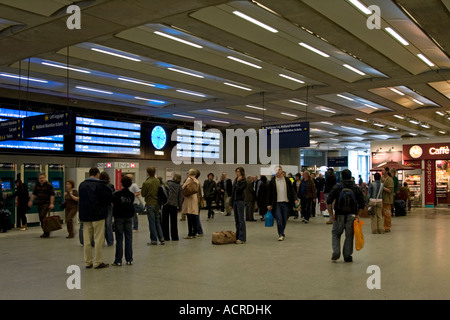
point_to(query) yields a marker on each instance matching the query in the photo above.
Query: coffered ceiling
(239, 64)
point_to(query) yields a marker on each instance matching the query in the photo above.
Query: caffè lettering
(441, 150)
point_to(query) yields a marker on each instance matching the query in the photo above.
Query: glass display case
(413, 179)
(442, 181)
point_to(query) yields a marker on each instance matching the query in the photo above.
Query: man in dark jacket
(349, 203)
(330, 182)
(95, 197)
(281, 196)
(210, 193)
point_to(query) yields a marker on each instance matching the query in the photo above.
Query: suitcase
(223, 237)
(5, 220)
(400, 208)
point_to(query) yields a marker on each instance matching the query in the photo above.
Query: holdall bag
(268, 219)
(223, 237)
(51, 223)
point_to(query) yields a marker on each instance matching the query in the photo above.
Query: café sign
(437, 151)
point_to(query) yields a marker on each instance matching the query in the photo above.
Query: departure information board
(107, 136)
(198, 144)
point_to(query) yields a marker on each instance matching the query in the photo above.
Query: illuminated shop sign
(438, 151)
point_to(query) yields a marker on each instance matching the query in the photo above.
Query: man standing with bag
(348, 206)
(45, 195)
(95, 197)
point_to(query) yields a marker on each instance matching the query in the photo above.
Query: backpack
(163, 194)
(346, 202)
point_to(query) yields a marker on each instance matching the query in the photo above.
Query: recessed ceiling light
(255, 107)
(291, 78)
(426, 60)
(220, 121)
(237, 86)
(54, 65)
(187, 73)
(397, 37)
(307, 46)
(8, 75)
(150, 100)
(216, 111)
(244, 62)
(178, 39)
(326, 122)
(254, 21)
(378, 124)
(425, 125)
(413, 134)
(413, 121)
(94, 90)
(354, 69)
(137, 82)
(298, 102)
(289, 114)
(440, 113)
(351, 128)
(399, 116)
(418, 102)
(397, 91)
(344, 97)
(327, 110)
(360, 6)
(359, 119)
(191, 93)
(183, 116)
(252, 118)
(393, 128)
(443, 132)
(370, 106)
(116, 54)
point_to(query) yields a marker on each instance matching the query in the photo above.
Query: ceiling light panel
(290, 40)
(399, 38)
(214, 55)
(354, 102)
(405, 97)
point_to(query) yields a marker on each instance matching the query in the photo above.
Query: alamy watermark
(74, 20)
(374, 20)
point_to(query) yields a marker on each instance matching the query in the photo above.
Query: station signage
(10, 130)
(434, 151)
(47, 125)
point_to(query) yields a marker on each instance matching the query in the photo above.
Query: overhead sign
(436, 151)
(337, 161)
(47, 125)
(10, 130)
(292, 135)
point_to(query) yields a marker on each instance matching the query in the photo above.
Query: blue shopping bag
(268, 219)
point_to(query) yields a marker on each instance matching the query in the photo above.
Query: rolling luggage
(400, 208)
(223, 237)
(5, 220)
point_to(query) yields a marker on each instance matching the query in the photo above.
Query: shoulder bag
(371, 208)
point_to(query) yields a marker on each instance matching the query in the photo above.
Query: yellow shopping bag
(359, 236)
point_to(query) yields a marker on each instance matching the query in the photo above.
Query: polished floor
(413, 261)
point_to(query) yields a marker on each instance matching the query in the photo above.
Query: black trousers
(170, 222)
(192, 224)
(306, 207)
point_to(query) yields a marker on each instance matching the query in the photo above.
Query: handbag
(359, 236)
(268, 219)
(371, 208)
(51, 223)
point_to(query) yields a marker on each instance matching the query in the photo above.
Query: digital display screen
(56, 184)
(107, 136)
(6, 185)
(198, 144)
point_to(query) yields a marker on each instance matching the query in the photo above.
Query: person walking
(281, 196)
(330, 182)
(226, 186)
(307, 195)
(138, 207)
(71, 201)
(209, 193)
(171, 208)
(149, 191)
(94, 199)
(388, 198)
(262, 197)
(45, 195)
(374, 198)
(349, 204)
(190, 203)
(22, 197)
(249, 198)
(109, 234)
(238, 205)
(123, 212)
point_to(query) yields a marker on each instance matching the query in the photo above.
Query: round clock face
(159, 137)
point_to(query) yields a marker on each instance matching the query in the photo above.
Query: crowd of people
(284, 195)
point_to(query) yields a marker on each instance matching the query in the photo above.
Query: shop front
(434, 159)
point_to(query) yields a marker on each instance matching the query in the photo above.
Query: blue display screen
(56, 184)
(6, 185)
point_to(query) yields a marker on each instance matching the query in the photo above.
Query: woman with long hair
(237, 203)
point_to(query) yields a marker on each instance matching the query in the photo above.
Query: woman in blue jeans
(238, 205)
(123, 212)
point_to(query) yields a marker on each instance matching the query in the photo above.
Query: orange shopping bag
(359, 236)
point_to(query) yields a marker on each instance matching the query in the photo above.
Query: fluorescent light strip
(220, 121)
(413, 134)
(244, 62)
(185, 72)
(418, 102)
(236, 86)
(191, 93)
(354, 69)
(413, 121)
(327, 110)
(64, 67)
(137, 82)
(254, 21)
(360, 6)
(350, 128)
(379, 125)
(298, 102)
(7, 75)
(397, 92)
(425, 125)
(368, 105)
(94, 90)
(178, 39)
(443, 132)
(291, 78)
(331, 132)
(399, 117)
(326, 122)
(397, 37)
(252, 118)
(359, 119)
(289, 114)
(216, 111)
(255, 107)
(426, 60)
(393, 129)
(150, 100)
(116, 54)
(182, 116)
(307, 46)
(348, 98)
(440, 113)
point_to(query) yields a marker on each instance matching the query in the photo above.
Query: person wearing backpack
(349, 203)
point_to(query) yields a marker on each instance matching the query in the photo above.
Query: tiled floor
(414, 263)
